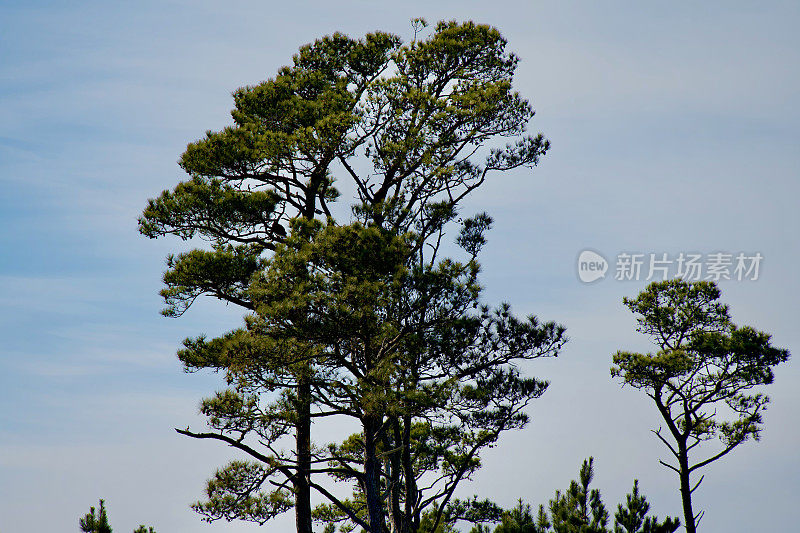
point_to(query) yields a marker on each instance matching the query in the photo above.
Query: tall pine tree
(418, 117)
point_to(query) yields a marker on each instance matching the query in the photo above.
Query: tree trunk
(686, 489)
(396, 519)
(302, 482)
(372, 475)
(302, 489)
(412, 517)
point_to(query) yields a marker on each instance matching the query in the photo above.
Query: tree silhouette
(700, 378)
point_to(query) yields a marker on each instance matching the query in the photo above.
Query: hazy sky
(674, 129)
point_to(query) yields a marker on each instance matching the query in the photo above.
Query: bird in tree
(701, 378)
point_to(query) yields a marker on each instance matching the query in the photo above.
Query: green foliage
(702, 375)
(399, 343)
(231, 495)
(520, 519)
(633, 517)
(98, 523)
(427, 521)
(580, 509)
(416, 112)
(225, 271)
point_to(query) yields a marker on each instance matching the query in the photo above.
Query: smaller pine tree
(580, 510)
(96, 521)
(632, 518)
(517, 520)
(95, 524)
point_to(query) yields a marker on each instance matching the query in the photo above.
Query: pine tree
(633, 517)
(519, 520)
(92, 523)
(580, 509)
(418, 116)
(700, 377)
(98, 523)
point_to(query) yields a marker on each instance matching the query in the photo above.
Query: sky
(673, 129)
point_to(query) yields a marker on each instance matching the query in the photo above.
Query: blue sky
(674, 128)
